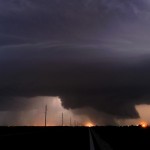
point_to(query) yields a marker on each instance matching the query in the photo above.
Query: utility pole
(62, 119)
(45, 114)
(70, 121)
(74, 122)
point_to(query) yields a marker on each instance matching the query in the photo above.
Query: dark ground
(74, 138)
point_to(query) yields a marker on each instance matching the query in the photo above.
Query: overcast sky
(92, 54)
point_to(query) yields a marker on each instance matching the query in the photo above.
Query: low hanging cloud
(89, 53)
(103, 84)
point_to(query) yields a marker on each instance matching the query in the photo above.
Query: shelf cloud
(90, 53)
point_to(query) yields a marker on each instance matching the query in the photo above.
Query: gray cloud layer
(90, 53)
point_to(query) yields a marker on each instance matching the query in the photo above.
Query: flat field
(75, 138)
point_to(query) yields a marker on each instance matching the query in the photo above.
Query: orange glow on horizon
(143, 124)
(89, 124)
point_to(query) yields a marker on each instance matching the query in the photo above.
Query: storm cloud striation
(90, 53)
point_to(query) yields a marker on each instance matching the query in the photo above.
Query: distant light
(143, 124)
(89, 124)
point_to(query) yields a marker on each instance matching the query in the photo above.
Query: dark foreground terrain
(75, 138)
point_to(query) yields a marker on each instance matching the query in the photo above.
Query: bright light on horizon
(89, 124)
(143, 124)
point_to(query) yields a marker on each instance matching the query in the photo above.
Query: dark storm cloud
(104, 82)
(52, 19)
(87, 52)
